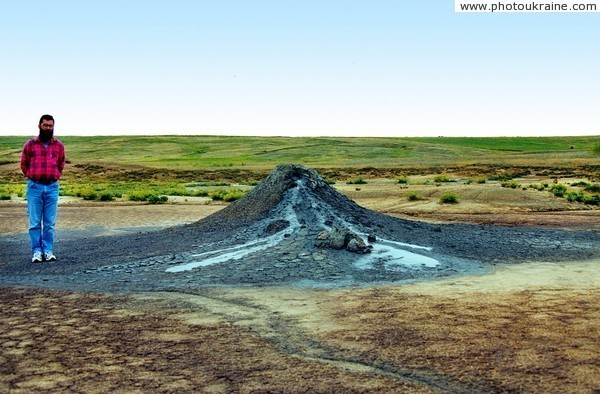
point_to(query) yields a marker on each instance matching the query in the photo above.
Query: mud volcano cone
(307, 188)
(295, 226)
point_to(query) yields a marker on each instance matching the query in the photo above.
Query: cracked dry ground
(510, 331)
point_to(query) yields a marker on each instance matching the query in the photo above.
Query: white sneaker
(37, 257)
(48, 256)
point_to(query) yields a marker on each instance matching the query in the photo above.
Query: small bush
(413, 196)
(4, 197)
(403, 181)
(233, 195)
(501, 177)
(575, 197)
(540, 187)
(580, 184)
(592, 200)
(217, 195)
(106, 197)
(441, 179)
(594, 188)
(87, 194)
(140, 195)
(153, 199)
(559, 190)
(227, 195)
(481, 180)
(512, 184)
(449, 198)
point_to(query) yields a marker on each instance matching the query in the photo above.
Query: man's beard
(46, 135)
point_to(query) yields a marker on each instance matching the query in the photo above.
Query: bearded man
(42, 162)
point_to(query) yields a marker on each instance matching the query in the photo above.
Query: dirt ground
(524, 328)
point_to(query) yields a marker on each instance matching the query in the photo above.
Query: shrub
(412, 196)
(403, 181)
(140, 195)
(4, 197)
(559, 190)
(449, 198)
(233, 195)
(105, 196)
(227, 195)
(356, 181)
(501, 177)
(512, 184)
(575, 197)
(540, 187)
(217, 195)
(581, 184)
(592, 200)
(594, 188)
(441, 178)
(481, 180)
(596, 149)
(87, 194)
(153, 199)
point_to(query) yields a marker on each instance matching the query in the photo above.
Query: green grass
(104, 168)
(190, 152)
(515, 144)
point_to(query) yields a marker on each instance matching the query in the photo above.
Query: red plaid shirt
(43, 164)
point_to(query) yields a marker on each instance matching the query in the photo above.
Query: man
(42, 162)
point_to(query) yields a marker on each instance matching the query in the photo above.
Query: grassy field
(213, 152)
(145, 168)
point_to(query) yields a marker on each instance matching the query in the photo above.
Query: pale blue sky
(278, 67)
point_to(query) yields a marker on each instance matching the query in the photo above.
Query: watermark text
(526, 6)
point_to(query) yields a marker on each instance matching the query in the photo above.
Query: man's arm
(61, 159)
(25, 159)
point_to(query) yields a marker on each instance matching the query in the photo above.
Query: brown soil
(525, 328)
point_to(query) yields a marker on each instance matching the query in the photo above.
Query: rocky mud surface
(274, 236)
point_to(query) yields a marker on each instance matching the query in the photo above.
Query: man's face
(46, 130)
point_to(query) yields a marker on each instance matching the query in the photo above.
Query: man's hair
(46, 117)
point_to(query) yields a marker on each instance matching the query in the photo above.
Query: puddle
(233, 253)
(393, 257)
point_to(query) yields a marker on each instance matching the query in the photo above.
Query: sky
(392, 68)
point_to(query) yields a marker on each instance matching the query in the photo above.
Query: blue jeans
(42, 204)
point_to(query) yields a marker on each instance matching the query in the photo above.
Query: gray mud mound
(292, 229)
